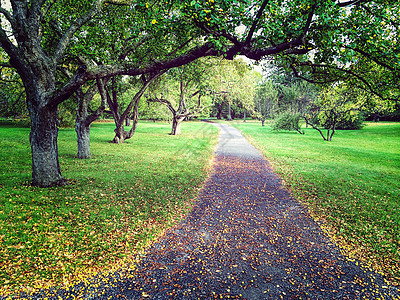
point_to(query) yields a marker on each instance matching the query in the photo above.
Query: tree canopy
(322, 41)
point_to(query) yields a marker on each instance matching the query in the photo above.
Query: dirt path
(246, 238)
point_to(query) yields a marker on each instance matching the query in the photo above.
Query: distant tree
(376, 108)
(266, 100)
(12, 94)
(183, 91)
(153, 111)
(335, 106)
(233, 84)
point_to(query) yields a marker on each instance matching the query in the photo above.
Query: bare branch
(254, 25)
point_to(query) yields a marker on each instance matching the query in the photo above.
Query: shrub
(287, 121)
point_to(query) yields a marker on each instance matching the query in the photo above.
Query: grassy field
(352, 182)
(117, 203)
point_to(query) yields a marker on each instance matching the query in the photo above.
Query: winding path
(246, 238)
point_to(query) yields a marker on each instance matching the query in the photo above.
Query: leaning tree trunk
(43, 139)
(120, 119)
(176, 125)
(120, 133)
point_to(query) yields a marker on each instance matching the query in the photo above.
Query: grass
(352, 182)
(118, 203)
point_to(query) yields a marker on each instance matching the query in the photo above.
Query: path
(246, 238)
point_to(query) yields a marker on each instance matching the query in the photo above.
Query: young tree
(334, 106)
(287, 120)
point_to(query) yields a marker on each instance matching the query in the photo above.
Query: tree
(291, 29)
(334, 106)
(130, 113)
(377, 108)
(35, 52)
(360, 48)
(233, 85)
(191, 81)
(153, 111)
(266, 100)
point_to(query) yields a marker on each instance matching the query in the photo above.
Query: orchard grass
(352, 183)
(117, 203)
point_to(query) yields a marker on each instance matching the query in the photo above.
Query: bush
(287, 121)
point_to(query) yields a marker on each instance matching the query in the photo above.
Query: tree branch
(83, 75)
(359, 78)
(254, 25)
(375, 59)
(67, 36)
(8, 16)
(351, 2)
(257, 54)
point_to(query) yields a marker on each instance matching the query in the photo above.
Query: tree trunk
(43, 139)
(120, 133)
(244, 117)
(176, 125)
(229, 116)
(83, 139)
(83, 119)
(262, 122)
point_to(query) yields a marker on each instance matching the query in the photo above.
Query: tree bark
(229, 116)
(43, 139)
(84, 119)
(176, 125)
(83, 139)
(120, 133)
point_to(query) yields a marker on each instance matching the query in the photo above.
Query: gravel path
(246, 238)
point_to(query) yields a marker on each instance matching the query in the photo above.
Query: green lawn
(352, 182)
(118, 201)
